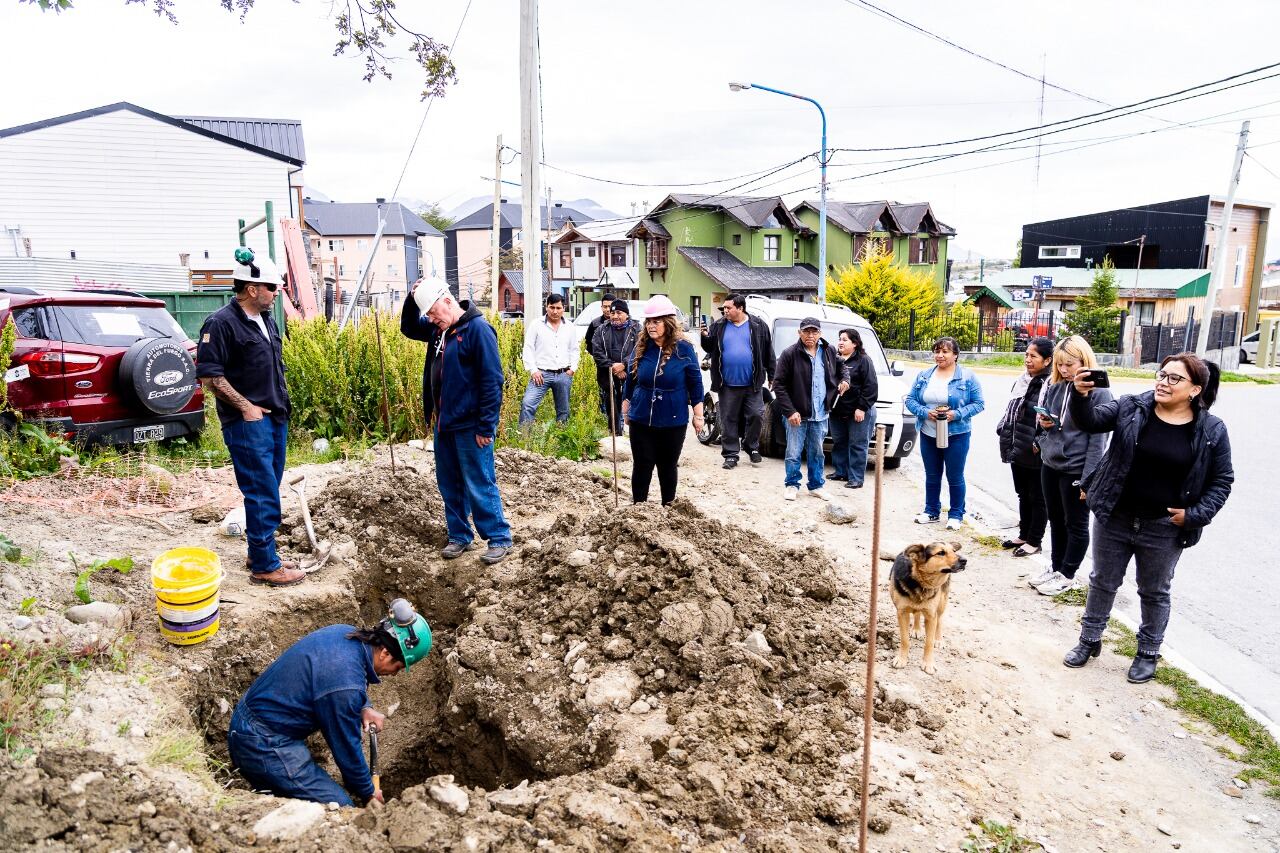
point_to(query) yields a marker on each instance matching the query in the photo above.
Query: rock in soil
(290, 821)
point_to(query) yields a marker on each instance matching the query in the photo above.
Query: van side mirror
(895, 369)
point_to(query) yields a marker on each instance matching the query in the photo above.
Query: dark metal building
(1175, 237)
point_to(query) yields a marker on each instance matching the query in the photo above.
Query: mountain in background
(964, 255)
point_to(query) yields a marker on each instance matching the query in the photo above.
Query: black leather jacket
(1208, 483)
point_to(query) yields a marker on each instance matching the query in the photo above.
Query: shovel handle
(295, 479)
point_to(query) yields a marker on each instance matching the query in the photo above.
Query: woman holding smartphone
(1017, 433)
(1166, 475)
(1068, 454)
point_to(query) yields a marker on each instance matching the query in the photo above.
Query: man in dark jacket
(462, 388)
(740, 348)
(320, 684)
(602, 372)
(809, 375)
(613, 345)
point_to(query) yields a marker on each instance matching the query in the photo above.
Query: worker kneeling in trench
(320, 684)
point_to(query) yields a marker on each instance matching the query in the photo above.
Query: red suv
(101, 366)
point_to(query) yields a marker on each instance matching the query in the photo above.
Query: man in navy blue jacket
(320, 684)
(462, 388)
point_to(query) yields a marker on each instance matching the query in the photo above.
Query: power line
(1261, 165)
(1068, 120)
(657, 184)
(431, 99)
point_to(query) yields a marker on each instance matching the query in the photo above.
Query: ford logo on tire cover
(158, 374)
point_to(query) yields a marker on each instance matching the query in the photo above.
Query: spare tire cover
(159, 374)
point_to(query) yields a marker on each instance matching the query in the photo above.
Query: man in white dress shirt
(550, 356)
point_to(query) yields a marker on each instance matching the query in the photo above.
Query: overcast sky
(639, 93)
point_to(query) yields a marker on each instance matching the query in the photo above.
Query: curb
(1172, 657)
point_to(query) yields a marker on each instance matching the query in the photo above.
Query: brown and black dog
(920, 585)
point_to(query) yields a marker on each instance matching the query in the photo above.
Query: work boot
(495, 554)
(756, 457)
(1079, 656)
(1143, 668)
(454, 550)
(730, 464)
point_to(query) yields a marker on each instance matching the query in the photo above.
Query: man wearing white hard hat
(239, 359)
(462, 393)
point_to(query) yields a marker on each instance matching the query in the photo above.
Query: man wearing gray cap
(808, 380)
(462, 388)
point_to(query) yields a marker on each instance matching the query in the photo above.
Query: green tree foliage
(1017, 257)
(1096, 317)
(435, 216)
(885, 293)
(364, 27)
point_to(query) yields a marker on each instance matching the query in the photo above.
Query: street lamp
(822, 162)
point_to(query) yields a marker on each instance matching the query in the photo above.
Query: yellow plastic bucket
(186, 583)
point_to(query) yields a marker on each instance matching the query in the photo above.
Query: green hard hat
(410, 630)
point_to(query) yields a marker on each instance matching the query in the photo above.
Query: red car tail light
(49, 364)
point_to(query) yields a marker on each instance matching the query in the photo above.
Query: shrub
(885, 293)
(1096, 317)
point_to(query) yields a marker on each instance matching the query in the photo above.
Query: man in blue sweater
(320, 685)
(462, 388)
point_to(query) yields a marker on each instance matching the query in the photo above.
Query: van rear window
(114, 325)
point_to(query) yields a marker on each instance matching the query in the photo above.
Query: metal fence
(974, 330)
(1162, 339)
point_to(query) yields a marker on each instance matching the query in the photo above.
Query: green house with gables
(697, 249)
(914, 235)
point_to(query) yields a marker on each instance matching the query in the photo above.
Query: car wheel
(710, 431)
(1244, 357)
(892, 462)
(773, 442)
(159, 375)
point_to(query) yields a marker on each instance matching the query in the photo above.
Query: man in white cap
(239, 359)
(462, 390)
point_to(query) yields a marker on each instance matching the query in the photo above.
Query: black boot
(1143, 668)
(1079, 656)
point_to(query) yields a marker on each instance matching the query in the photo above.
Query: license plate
(148, 433)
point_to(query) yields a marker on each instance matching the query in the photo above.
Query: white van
(783, 317)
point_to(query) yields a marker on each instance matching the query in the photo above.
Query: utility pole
(495, 250)
(530, 146)
(1040, 121)
(547, 248)
(1220, 256)
(1142, 242)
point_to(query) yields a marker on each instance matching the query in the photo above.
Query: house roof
(863, 217)
(749, 211)
(511, 217)
(996, 292)
(649, 228)
(278, 127)
(724, 268)
(516, 279)
(604, 231)
(1163, 284)
(352, 219)
(283, 136)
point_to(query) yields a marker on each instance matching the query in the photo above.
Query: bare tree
(364, 26)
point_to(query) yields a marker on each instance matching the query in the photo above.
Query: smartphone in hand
(1045, 413)
(1099, 378)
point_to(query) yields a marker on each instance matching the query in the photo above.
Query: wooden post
(868, 708)
(613, 436)
(495, 244)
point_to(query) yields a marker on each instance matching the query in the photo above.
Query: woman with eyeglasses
(1165, 476)
(664, 381)
(1068, 454)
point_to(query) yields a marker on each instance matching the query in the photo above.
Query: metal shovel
(321, 551)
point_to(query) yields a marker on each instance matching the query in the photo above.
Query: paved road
(1226, 596)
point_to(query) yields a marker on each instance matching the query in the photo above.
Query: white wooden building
(125, 184)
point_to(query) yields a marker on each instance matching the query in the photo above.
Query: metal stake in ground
(869, 703)
(613, 429)
(373, 761)
(386, 405)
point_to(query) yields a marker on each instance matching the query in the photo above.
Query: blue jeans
(558, 384)
(281, 765)
(1152, 544)
(469, 486)
(849, 442)
(257, 451)
(951, 459)
(806, 440)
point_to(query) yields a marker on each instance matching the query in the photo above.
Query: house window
(859, 246)
(1059, 252)
(391, 269)
(1144, 313)
(795, 250)
(362, 245)
(1239, 277)
(886, 242)
(737, 239)
(656, 254)
(695, 309)
(591, 251)
(391, 245)
(772, 247)
(923, 250)
(617, 256)
(506, 299)
(564, 259)
(315, 246)
(342, 269)
(335, 246)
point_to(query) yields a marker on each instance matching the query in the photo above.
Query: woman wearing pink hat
(664, 381)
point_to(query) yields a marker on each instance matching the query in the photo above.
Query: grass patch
(26, 668)
(1075, 597)
(1261, 752)
(995, 837)
(184, 750)
(1232, 376)
(989, 543)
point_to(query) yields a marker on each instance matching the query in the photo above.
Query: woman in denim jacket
(949, 385)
